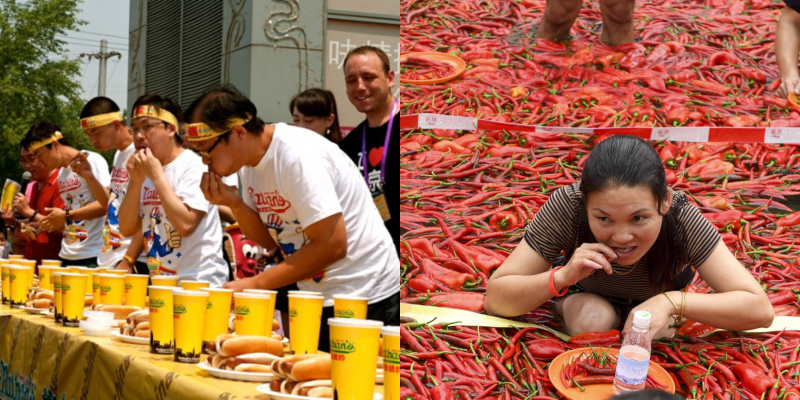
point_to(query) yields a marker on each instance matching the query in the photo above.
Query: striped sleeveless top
(555, 229)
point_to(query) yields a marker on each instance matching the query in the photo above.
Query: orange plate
(601, 391)
(793, 99)
(456, 62)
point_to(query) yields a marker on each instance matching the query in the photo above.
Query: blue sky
(105, 19)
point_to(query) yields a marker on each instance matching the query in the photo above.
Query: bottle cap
(642, 318)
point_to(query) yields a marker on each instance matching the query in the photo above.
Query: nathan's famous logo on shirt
(119, 175)
(342, 347)
(150, 197)
(268, 201)
(69, 184)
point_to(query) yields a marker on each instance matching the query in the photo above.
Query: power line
(116, 62)
(104, 34)
(91, 40)
(90, 45)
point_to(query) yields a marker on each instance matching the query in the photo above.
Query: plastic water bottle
(634, 356)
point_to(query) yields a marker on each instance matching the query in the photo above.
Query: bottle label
(632, 366)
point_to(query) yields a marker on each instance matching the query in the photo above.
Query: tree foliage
(37, 80)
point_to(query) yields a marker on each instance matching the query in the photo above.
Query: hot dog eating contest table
(42, 360)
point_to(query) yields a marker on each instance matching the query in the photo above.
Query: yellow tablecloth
(42, 360)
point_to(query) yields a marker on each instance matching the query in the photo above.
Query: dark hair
(162, 103)
(219, 104)
(97, 106)
(317, 102)
(364, 50)
(647, 394)
(630, 161)
(40, 131)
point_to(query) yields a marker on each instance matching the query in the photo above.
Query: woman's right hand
(587, 259)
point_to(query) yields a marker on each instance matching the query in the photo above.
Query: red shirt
(45, 197)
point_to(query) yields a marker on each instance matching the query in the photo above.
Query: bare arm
(522, 282)
(787, 47)
(130, 223)
(184, 218)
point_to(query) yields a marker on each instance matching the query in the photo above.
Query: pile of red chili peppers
(466, 197)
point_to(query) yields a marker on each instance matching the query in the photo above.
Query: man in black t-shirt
(787, 46)
(369, 81)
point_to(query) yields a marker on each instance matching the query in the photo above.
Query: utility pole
(102, 56)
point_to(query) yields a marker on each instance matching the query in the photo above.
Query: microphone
(26, 180)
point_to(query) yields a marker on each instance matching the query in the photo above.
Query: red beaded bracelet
(552, 284)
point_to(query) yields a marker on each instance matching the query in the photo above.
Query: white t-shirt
(114, 245)
(194, 257)
(81, 238)
(304, 178)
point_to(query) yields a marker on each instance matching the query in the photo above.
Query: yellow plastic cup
(194, 285)
(273, 295)
(162, 332)
(391, 362)
(218, 310)
(112, 288)
(16, 257)
(73, 292)
(5, 286)
(345, 306)
(251, 314)
(305, 292)
(116, 271)
(18, 282)
(45, 272)
(58, 295)
(136, 289)
(305, 318)
(52, 263)
(354, 357)
(164, 280)
(189, 311)
(96, 299)
(89, 273)
(31, 264)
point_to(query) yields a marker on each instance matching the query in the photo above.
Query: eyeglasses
(145, 129)
(207, 153)
(27, 160)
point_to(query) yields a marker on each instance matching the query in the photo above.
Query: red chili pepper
(483, 259)
(442, 392)
(422, 283)
(715, 87)
(726, 220)
(461, 300)
(753, 378)
(782, 297)
(504, 221)
(546, 348)
(790, 220)
(596, 338)
(695, 329)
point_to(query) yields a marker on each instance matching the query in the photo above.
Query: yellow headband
(150, 111)
(100, 120)
(201, 131)
(44, 142)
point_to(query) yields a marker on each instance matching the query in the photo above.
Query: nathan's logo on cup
(156, 303)
(128, 286)
(209, 305)
(95, 286)
(178, 310)
(391, 357)
(344, 313)
(292, 312)
(342, 347)
(13, 277)
(242, 310)
(105, 289)
(65, 287)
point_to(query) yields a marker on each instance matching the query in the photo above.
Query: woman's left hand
(660, 309)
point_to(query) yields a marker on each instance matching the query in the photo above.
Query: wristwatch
(33, 216)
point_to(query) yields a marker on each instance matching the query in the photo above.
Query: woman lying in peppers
(629, 242)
